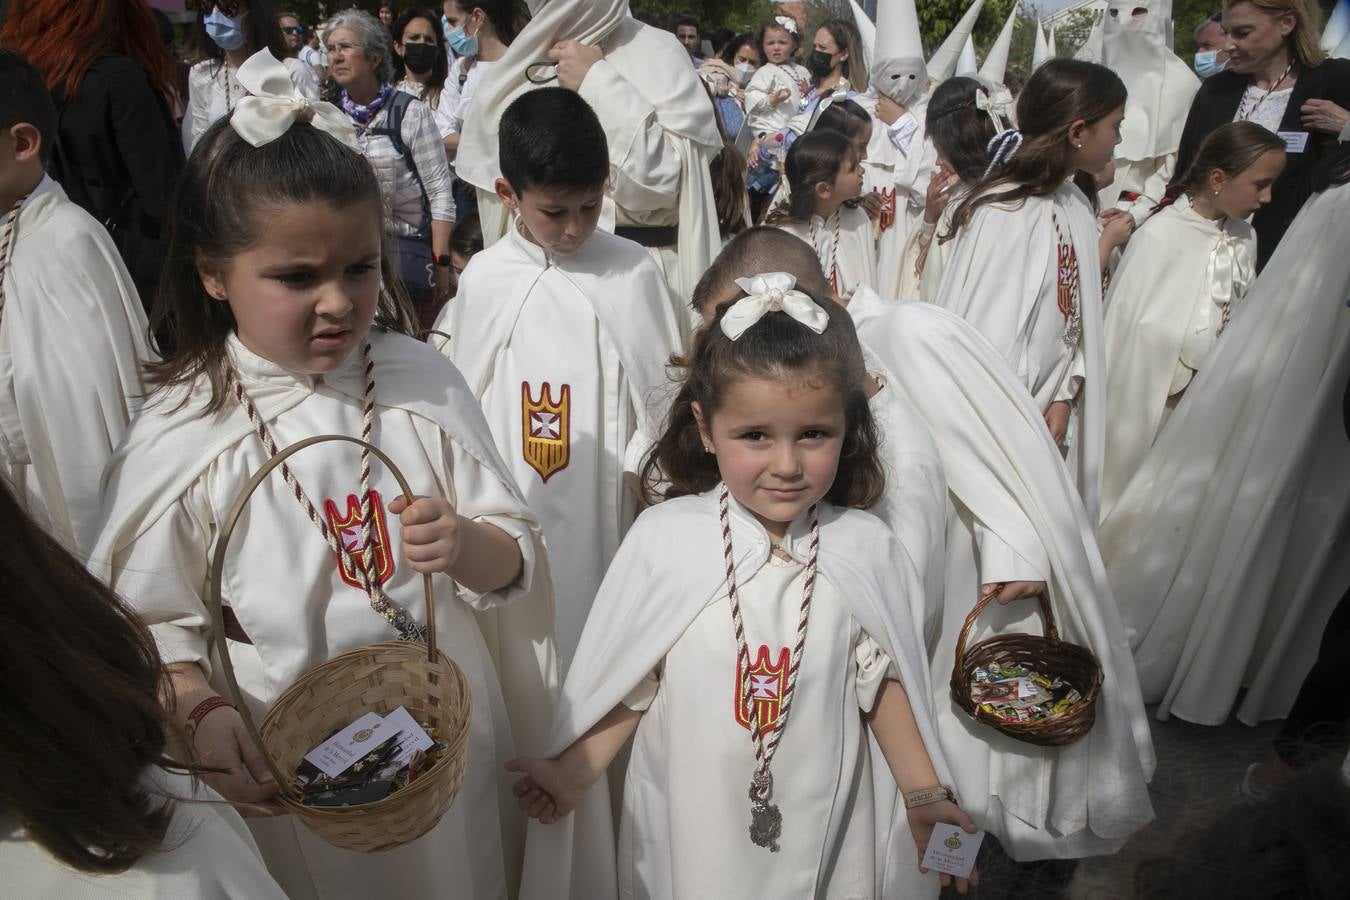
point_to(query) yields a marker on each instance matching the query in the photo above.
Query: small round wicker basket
(374, 678)
(1049, 656)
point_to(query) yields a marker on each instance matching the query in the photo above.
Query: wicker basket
(374, 678)
(1047, 655)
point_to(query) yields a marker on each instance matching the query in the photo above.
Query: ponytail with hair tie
(1002, 147)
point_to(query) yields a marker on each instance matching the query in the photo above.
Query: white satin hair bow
(275, 105)
(787, 23)
(771, 292)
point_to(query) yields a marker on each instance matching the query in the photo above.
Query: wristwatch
(928, 795)
(443, 261)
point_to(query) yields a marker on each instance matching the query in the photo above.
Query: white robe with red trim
(169, 488)
(567, 357)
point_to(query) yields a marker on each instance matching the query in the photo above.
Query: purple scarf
(362, 113)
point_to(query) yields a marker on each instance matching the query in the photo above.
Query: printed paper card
(952, 850)
(337, 754)
(412, 738)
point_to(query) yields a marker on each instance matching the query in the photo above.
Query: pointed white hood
(1041, 52)
(996, 61)
(966, 63)
(943, 64)
(1161, 86)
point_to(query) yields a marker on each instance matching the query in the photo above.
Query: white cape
(1002, 465)
(73, 339)
(650, 596)
(1227, 550)
(1178, 273)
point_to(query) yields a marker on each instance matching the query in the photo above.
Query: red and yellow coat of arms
(546, 429)
(887, 217)
(372, 552)
(768, 682)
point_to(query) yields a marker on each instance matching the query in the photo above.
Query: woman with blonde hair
(1279, 77)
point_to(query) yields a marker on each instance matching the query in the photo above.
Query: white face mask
(746, 70)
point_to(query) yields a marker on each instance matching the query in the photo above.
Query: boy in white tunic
(563, 333)
(699, 641)
(273, 285)
(73, 334)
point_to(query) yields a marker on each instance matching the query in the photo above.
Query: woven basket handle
(218, 575)
(1051, 631)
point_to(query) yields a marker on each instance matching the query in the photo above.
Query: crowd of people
(707, 354)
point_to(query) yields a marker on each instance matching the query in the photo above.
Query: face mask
(1207, 63)
(461, 43)
(818, 63)
(746, 70)
(419, 58)
(224, 30)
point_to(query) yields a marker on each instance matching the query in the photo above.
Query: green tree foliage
(738, 15)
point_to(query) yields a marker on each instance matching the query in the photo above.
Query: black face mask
(419, 58)
(818, 63)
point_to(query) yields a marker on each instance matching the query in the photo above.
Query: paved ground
(1198, 768)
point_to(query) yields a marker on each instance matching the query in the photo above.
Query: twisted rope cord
(830, 268)
(1001, 148)
(392, 613)
(764, 750)
(7, 245)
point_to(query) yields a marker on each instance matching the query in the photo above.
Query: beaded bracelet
(202, 710)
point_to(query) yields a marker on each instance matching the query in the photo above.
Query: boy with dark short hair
(73, 334)
(563, 333)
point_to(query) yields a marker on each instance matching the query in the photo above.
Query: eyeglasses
(292, 29)
(343, 48)
(225, 7)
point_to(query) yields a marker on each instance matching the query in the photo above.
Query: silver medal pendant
(766, 821)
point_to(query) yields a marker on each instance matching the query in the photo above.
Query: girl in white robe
(275, 344)
(824, 172)
(1180, 281)
(1227, 550)
(779, 87)
(960, 123)
(756, 458)
(1024, 269)
(565, 348)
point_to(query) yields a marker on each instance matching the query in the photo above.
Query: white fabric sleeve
(758, 90)
(999, 562)
(1073, 380)
(874, 666)
(451, 96)
(424, 142)
(902, 131)
(199, 97)
(301, 78)
(644, 161)
(1152, 191)
(163, 576)
(643, 693)
(479, 495)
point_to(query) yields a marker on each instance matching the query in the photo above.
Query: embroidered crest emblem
(953, 842)
(546, 429)
(1068, 279)
(887, 217)
(768, 681)
(372, 553)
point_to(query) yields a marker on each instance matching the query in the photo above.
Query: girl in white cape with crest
(1025, 270)
(282, 331)
(759, 583)
(1180, 281)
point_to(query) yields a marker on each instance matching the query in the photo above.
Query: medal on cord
(766, 820)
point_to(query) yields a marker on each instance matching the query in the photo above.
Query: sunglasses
(225, 7)
(292, 29)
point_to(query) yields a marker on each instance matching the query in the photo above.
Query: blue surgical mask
(461, 43)
(1207, 63)
(224, 30)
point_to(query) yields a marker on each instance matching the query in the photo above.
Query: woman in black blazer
(1274, 57)
(117, 150)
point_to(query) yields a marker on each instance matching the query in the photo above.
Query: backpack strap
(392, 128)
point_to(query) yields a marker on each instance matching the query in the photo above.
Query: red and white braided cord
(7, 245)
(764, 750)
(831, 264)
(360, 564)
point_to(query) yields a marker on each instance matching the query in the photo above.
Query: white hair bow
(788, 23)
(275, 105)
(771, 292)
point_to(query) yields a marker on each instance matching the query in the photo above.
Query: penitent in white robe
(844, 246)
(1003, 277)
(72, 341)
(207, 853)
(1180, 279)
(300, 608)
(1228, 549)
(900, 161)
(686, 812)
(660, 126)
(567, 357)
(927, 254)
(1014, 515)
